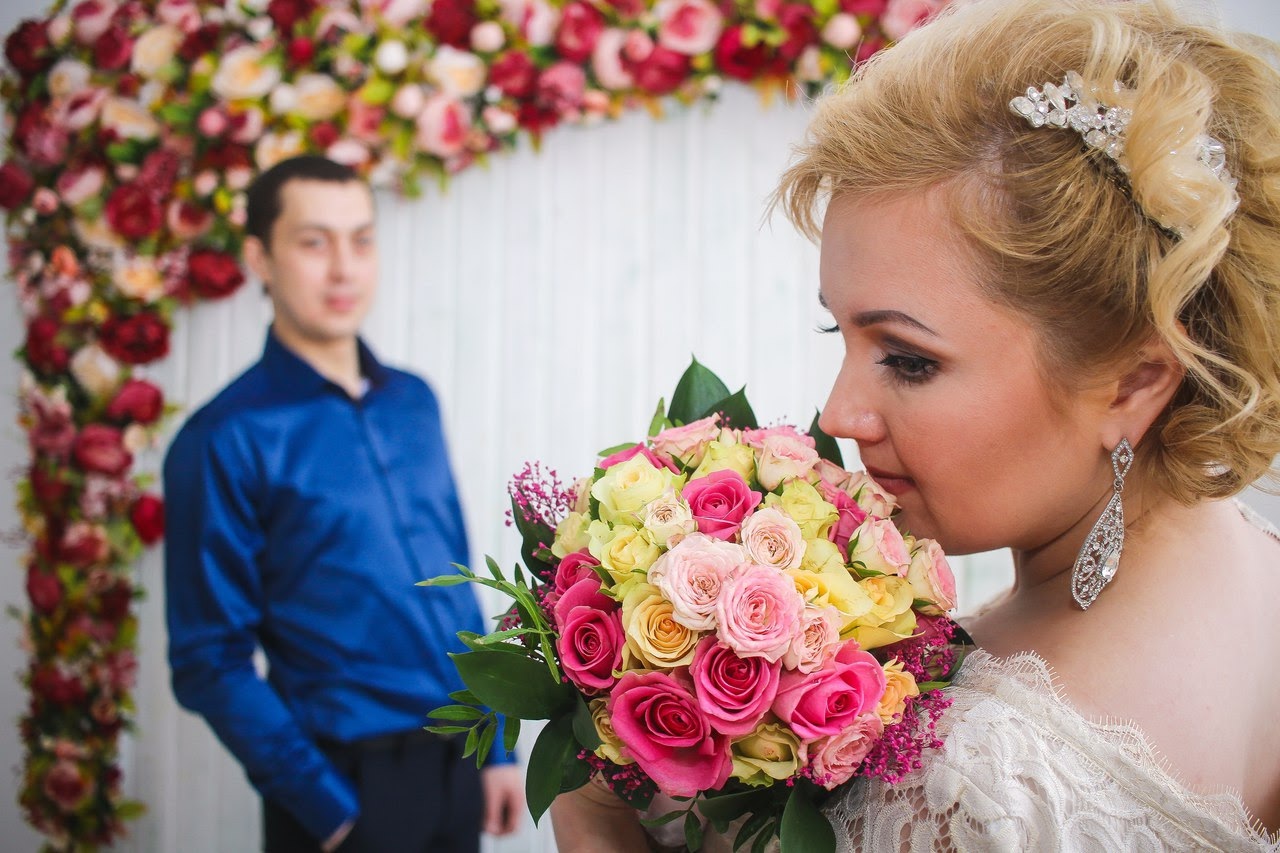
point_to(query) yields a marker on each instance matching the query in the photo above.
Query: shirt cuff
(333, 803)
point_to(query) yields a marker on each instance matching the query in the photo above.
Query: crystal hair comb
(1073, 105)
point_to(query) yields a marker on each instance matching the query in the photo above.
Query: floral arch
(134, 128)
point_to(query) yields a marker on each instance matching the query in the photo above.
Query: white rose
(772, 538)
(244, 75)
(274, 147)
(842, 32)
(155, 49)
(391, 57)
(283, 100)
(408, 100)
(319, 97)
(488, 37)
(129, 119)
(783, 458)
(668, 517)
(137, 277)
(97, 372)
(458, 72)
(68, 77)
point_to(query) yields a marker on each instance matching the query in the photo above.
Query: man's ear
(1142, 393)
(258, 259)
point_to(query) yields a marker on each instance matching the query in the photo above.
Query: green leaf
(754, 824)
(444, 580)
(494, 568)
(732, 806)
(736, 410)
(456, 712)
(466, 697)
(513, 684)
(664, 819)
(826, 446)
(553, 748)
(584, 728)
(533, 536)
(617, 448)
(804, 828)
(449, 730)
(510, 733)
(659, 422)
(765, 836)
(692, 832)
(487, 735)
(697, 390)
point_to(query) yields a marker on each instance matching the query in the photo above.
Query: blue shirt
(299, 520)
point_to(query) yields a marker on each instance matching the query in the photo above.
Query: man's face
(321, 270)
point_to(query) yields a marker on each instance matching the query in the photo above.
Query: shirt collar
(291, 371)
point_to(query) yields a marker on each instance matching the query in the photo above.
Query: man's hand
(333, 842)
(503, 798)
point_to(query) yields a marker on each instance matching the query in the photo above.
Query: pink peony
(607, 64)
(655, 459)
(822, 703)
(691, 575)
(759, 612)
(835, 759)
(661, 726)
(772, 538)
(442, 126)
(734, 692)
(851, 515)
(591, 638)
(688, 443)
(690, 27)
(720, 502)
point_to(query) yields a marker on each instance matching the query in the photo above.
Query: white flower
(459, 73)
(97, 372)
(129, 119)
(283, 100)
(391, 57)
(155, 49)
(243, 74)
(488, 37)
(842, 32)
(137, 277)
(68, 77)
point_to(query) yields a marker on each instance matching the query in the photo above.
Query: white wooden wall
(550, 300)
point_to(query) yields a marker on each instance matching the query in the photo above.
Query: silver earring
(1100, 555)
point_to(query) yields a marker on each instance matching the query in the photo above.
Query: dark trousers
(417, 795)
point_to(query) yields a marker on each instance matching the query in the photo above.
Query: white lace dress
(1022, 770)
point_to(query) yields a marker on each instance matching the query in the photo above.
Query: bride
(1051, 244)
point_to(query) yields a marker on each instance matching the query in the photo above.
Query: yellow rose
(625, 488)
(243, 75)
(771, 753)
(837, 589)
(891, 596)
(721, 456)
(610, 746)
(622, 550)
(822, 555)
(155, 49)
(899, 686)
(571, 535)
(874, 636)
(807, 508)
(655, 640)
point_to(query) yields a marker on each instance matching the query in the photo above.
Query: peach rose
(835, 759)
(243, 74)
(771, 538)
(900, 685)
(783, 458)
(818, 640)
(691, 575)
(654, 639)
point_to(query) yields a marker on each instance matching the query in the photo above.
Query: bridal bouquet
(720, 613)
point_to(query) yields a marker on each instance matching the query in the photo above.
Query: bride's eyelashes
(905, 369)
(829, 330)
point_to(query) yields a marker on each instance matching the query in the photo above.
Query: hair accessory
(1072, 104)
(1100, 555)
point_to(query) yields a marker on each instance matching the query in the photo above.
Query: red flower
(43, 589)
(43, 141)
(49, 684)
(147, 516)
(797, 20)
(324, 134)
(580, 29)
(159, 172)
(133, 212)
(199, 42)
(112, 50)
(44, 353)
(47, 487)
(300, 51)
(515, 74)
(27, 48)
(138, 339)
(737, 60)
(113, 604)
(15, 185)
(213, 274)
(287, 13)
(661, 72)
(536, 118)
(100, 448)
(67, 785)
(227, 155)
(138, 401)
(84, 544)
(874, 8)
(628, 8)
(451, 22)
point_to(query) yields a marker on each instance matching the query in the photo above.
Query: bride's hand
(592, 818)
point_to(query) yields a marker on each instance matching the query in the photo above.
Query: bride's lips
(894, 484)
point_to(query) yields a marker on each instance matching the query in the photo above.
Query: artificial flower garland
(135, 128)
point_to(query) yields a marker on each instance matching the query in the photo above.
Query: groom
(304, 503)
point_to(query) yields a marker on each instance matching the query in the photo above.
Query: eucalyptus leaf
(697, 390)
(456, 712)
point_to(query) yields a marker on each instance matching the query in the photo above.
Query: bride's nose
(851, 411)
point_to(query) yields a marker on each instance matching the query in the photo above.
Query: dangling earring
(1100, 555)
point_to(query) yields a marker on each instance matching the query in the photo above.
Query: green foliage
(804, 828)
(826, 446)
(697, 392)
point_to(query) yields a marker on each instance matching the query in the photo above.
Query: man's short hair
(264, 202)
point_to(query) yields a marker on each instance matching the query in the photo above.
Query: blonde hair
(1054, 227)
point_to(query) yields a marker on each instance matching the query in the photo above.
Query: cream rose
(878, 546)
(459, 73)
(771, 753)
(319, 97)
(155, 49)
(625, 489)
(784, 457)
(95, 371)
(391, 57)
(771, 538)
(68, 77)
(668, 518)
(137, 277)
(727, 456)
(571, 534)
(622, 550)
(128, 119)
(931, 578)
(243, 74)
(687, 443)
(806, 507)
(655, 640)
(610, 748)
(868, 495)
(818, 641)
(274, 147)
(900, 685)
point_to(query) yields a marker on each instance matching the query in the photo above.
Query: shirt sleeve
(214, 607)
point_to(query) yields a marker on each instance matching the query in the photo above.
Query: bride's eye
(909, 369)
(829, 330)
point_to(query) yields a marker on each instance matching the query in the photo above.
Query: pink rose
(90, 19)
(573, 568)
(78, 185)
(442, 126)
(818, 640)
(364, 120)
(182, 14)
(756, 437)
(772, 538)
(54, 432)
(823, 703)
(720, 502)
(691, 575)
(67, 785)
(782, 458)
(759, 612)
(931, 577)
(688, 443)
(661, 726)
(851, 515)
(734, 692)
(878, 545)
(903, 16)
(873, 499)
(830, 473)
(591, 638)
(606, 61)
(835, 759)
(655, 459)
(100, 448)
(690, 27)
(561, 88)
(84, 544)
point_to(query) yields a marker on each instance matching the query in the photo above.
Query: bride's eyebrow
(872, 318)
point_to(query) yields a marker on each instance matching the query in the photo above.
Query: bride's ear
(1142, 392)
